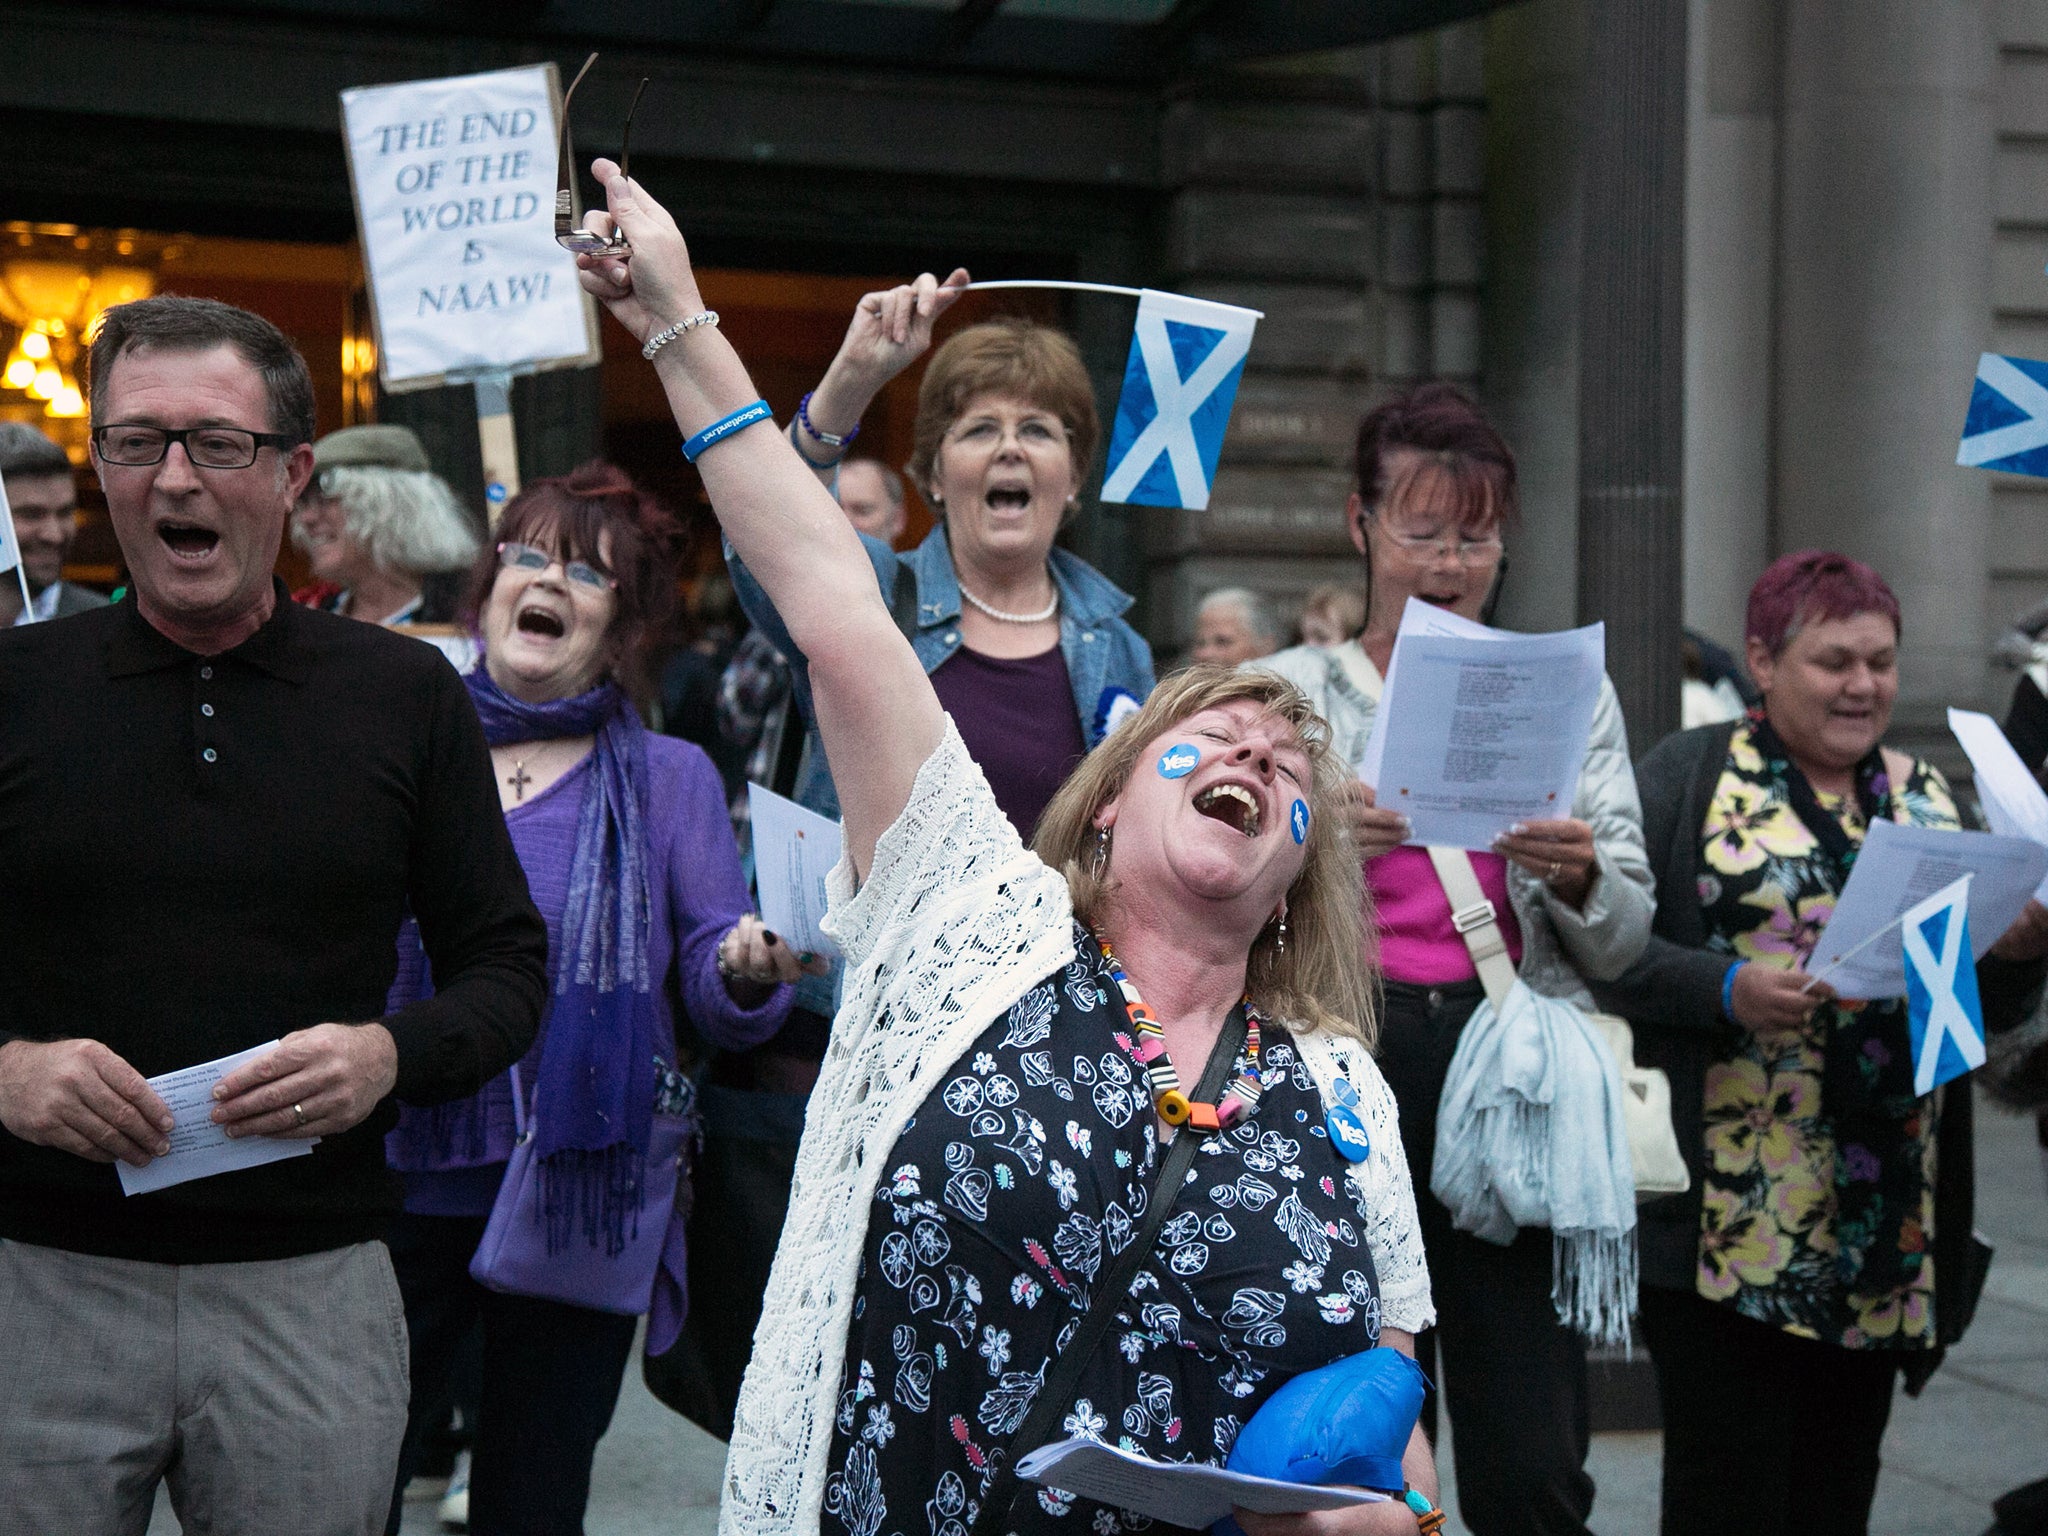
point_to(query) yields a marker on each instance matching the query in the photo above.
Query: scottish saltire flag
(2007, 427)
(1942, 1010)
(1180, 381)
(10, 550)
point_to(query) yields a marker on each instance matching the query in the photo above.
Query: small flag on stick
(2007, 425)
(10, 550)
(1942, 1008)
(10, 554)
(1180, 381)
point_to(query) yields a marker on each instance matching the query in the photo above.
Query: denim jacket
(1104, 655)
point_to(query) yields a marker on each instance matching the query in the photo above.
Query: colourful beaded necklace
(1174, 1106)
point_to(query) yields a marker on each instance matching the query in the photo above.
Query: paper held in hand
(794, 850)
(199, 1148)
(2011, 796)
(1192, 1494)
(1478, 729)
(1860, 952)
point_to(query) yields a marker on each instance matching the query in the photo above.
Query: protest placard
(454, 184)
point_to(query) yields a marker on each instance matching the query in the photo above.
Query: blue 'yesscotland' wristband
(1728, 991)
(725, 426)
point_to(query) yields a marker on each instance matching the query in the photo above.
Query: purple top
(1017, 720)
(698, 893)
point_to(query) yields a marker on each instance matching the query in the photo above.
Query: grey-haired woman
(386, 537)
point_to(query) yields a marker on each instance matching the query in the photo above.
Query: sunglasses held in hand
(569, 234)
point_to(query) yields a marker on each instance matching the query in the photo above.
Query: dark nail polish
(773, 941)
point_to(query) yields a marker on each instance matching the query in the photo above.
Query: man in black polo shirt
(215, 808)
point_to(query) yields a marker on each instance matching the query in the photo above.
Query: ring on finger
(299, 1111)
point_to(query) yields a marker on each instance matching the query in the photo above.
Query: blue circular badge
(1342, 1091)
(1178, 761)
(1347, 1134)
(1298, 820)
(494, 492)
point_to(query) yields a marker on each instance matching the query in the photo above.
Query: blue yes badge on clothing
(1177, 762)
(1347, 1130)
(1111, 710)
(1298, 820)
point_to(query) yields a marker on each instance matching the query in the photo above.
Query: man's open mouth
(1231, 804)
(538, 621)
(187, 540)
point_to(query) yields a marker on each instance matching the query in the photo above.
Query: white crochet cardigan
(956, 922)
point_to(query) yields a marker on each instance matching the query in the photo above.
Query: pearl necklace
(1173, 1105)
(1039, 617)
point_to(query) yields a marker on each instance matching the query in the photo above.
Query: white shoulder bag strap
(1472, 914)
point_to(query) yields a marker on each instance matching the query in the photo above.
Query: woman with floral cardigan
(1825, 1243)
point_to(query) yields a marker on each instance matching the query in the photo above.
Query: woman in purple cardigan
(626, 846)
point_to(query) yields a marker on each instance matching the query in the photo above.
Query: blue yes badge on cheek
(1298, 820)
(1177, 762)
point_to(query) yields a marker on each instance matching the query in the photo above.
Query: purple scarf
(593, 1096)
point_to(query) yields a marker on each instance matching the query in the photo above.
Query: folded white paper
(794, 850)
(1478, 729)
(199, 1148)
(2012, 797)
(1186, 1493)
(1900, 867)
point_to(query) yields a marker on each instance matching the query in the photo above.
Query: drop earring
(1280, 936)
(1100, 866)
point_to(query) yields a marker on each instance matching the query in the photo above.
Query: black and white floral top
(1009, 1192)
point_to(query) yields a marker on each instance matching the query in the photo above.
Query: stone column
(1885, 302)
(1535, 79)
(1632, 353)
(1731, 245)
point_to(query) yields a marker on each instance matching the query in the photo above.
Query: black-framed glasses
(135, 446)
(514, 556)
(569, 234)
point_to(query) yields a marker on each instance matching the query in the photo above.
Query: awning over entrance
(1130, 41)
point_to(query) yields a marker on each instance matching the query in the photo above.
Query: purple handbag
(513, 1255)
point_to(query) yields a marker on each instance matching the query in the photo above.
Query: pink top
(1418, 945)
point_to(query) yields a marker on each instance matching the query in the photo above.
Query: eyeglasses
(1032, 432)
(1464, 551)
(135, 446)
(568, 234)
(514, 556)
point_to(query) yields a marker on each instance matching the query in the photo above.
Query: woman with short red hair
(1824, 1246)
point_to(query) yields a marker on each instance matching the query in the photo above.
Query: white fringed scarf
(1529, 1133)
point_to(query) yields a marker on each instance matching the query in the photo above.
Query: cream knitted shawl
(957, 921)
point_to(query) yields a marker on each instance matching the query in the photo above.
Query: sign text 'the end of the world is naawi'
(453, 182)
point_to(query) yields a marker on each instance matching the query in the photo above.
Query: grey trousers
(270, 1396)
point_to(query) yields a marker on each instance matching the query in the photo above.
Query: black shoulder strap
(903, 600)
(1057, 1393)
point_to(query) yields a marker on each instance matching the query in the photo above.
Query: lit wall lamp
(54, 304)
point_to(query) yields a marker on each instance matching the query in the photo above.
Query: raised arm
(889, 331)
(876, 710)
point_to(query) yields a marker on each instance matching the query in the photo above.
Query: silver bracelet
(661, 339)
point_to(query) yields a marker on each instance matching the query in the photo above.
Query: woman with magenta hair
(1824, 1247)
(624, 839)
(1435, 497)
